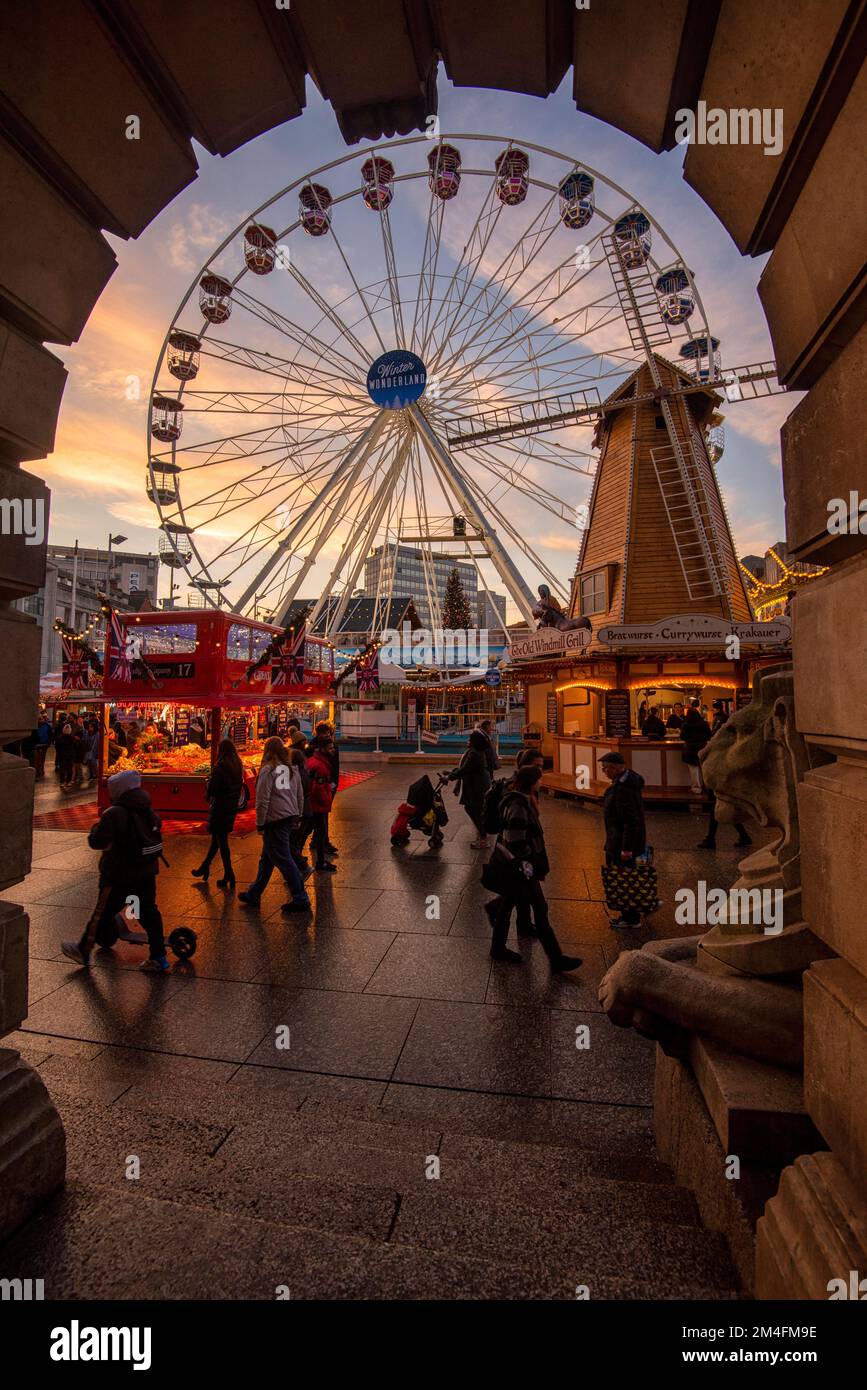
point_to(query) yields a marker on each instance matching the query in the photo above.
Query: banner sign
(396, 379)
(548, 641)
(696, 630)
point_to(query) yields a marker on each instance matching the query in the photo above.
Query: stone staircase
(246, 1192)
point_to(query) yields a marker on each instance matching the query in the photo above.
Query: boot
(228, 882)
(551, 946)
(202, 872)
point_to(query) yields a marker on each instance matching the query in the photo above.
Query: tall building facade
(489, 610)
(122, 571)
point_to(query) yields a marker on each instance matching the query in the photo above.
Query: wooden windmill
(657, 542)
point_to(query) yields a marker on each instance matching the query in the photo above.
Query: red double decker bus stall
(178, 681)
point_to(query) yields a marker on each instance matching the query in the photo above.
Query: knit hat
(296, 736)
(617, 758)
(122, 782)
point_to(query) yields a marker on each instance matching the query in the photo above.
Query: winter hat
(296, 737)
(123, 782)
(617, 758)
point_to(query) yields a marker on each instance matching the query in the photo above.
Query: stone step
(108, 1243)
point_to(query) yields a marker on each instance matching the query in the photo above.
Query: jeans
(319, 843)
(277, 853)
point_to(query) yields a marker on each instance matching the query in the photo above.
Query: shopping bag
(630, 886)
(500, 874)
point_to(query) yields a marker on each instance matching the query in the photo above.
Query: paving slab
(424, 967)
(346, 1034)
(480, 1047)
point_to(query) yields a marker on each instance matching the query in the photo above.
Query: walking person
(321, 797)
(474, 776)
(129, 834)
(623, 812)
(279, 802)
(523, 839)
(64, 753)
(326, 730)
(695, 733)
(298, 756)
(486, 728)
(223, 793)
(528, 757)
(43, 738)
(91, 751)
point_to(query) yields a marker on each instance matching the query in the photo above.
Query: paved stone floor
(382, 986)
(308, 1166)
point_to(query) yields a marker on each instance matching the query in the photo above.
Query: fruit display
(187, 760)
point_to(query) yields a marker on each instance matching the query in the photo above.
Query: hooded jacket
(279, 794)
(624, 815)
(121, 861)
(321, 792)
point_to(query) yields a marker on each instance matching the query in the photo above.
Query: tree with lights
(456, 608)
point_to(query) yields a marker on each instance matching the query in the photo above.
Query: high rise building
(408, 581)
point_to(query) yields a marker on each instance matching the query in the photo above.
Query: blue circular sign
(493, 677)
(396, 379)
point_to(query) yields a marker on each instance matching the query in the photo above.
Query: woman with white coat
(279, 805)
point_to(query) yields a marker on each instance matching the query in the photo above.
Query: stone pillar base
(813, 1231)
(32, 1143)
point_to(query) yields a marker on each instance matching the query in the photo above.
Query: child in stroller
(423, 810)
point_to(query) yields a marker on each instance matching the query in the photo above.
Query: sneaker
(72, 951)
(155, 965)
(509, 957)
(249, 898)
(332, 849)
(565, 963)
(297, 905)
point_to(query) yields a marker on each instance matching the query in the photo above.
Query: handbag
(500, 873)
(630, 886)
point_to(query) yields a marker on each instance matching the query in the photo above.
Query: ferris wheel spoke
(393, 282)
(427, 273)
(287, 369)
(524, 252)
(363, 443)
(304, 337)
(464, 272)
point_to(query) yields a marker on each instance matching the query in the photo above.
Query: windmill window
(660, 422)
(594, 593)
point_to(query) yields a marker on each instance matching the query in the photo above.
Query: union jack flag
(367, 673)
(120, 667)
(288, 667)
(74, 666)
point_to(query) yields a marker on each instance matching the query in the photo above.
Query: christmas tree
(456, 609)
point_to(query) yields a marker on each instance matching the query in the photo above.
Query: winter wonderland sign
(396, 379)
(548, 641)
(696, 630)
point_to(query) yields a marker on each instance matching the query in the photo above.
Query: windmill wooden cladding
(629, 527)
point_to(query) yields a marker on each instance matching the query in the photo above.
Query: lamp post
(112, 540)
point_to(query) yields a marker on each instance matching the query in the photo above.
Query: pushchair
(423, 810)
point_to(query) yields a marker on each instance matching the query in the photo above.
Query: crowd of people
(295, 789)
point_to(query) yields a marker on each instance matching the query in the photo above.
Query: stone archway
(68, 171)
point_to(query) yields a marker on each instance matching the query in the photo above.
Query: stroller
(423, 810)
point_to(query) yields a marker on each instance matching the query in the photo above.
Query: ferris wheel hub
(396, 379)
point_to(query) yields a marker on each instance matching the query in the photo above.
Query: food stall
(182, 680)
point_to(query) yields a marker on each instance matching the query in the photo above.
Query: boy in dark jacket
(623, 811)
(128, 867)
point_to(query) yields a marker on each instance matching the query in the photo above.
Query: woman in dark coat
(224, 793)
(695, 733)
(64, 752)
(474, 776)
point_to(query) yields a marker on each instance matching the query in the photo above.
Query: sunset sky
(97, 471)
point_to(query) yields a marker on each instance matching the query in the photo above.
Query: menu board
(618, 722)
(240, 734)
(552, 713)
(182, 725)
(282, 720)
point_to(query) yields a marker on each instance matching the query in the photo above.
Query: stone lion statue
(734, 984)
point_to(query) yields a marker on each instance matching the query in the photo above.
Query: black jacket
(522, 833)
(695, 734)
(223, 792)
(114, 833)
(624, 816)
(653, 727)
(474, 777)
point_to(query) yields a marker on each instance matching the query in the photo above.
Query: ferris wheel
(319, 392)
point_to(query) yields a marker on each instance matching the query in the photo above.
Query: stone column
(32, 1142)
(815, 1230)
